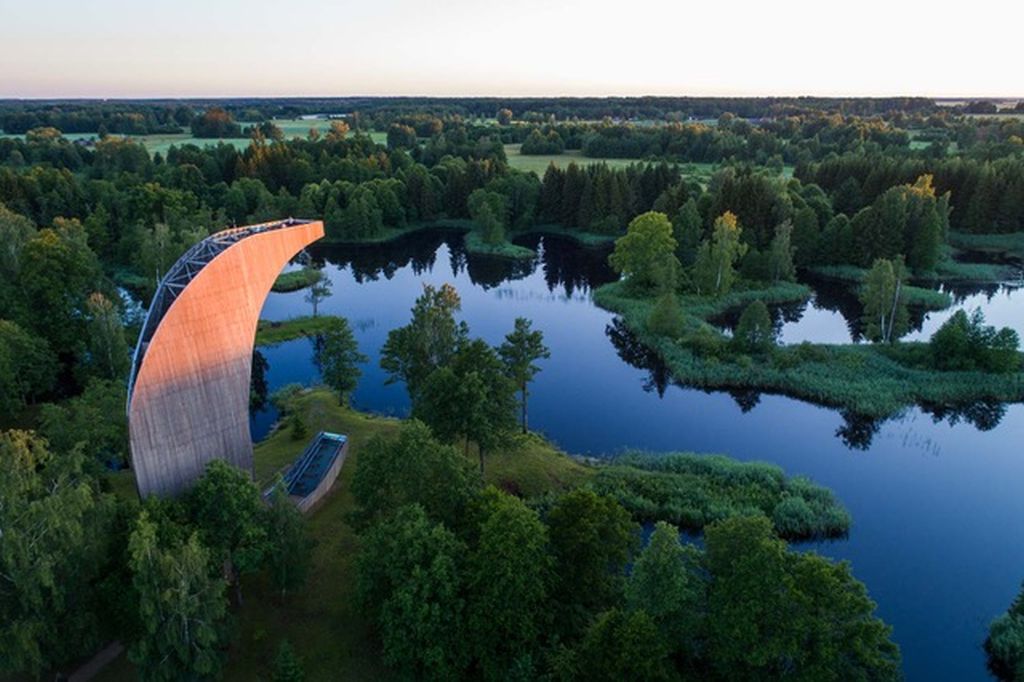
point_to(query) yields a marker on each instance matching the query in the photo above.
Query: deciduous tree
(665, 584)
(472, 398)
(646, 254)
(107, 355)
(227, 508)
(28, 368)
(592, 540)
(715, 267)
(182, 607)
(412, 469)
(290, 544)
(340, 358)
(318, 291)
(754, 331)
(780, 253)
(624, 645)
(429, 341)
(507, 581)
(410, 583)
(522, 348)
(884, 301)
(56, 531)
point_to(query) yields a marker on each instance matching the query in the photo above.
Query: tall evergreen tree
(780, 253)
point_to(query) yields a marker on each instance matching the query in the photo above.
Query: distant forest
(139, 117)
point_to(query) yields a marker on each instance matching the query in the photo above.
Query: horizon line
(129, 98)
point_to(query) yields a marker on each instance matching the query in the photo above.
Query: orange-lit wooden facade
(188, 400)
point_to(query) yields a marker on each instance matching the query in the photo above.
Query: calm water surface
(832, 314)
(937, 501)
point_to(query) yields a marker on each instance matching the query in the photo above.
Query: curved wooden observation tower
(188, 393)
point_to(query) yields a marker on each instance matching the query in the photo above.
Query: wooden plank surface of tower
(189, 395)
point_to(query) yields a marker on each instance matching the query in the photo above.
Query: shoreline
(645, 483)
(476, 246)
(864, 379)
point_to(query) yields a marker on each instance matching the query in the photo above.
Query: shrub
(692, 491)
(1005, 643)
(298, 426)
(707, 343)
(754, 331)
(287, 666)
(666, 319)
(284, 398)
(966, 343)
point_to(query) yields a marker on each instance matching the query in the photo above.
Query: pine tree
(687, 228)
(666, 318)
(780, 253)
(549, 208)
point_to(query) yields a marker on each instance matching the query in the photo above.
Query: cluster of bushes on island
(693, 491)
(1005, 643)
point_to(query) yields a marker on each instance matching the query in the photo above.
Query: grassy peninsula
(870, 380)
(272, 333)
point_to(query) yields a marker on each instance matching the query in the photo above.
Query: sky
(211, 48)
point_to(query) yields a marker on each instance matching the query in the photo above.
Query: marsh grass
(1009, 245)
(272, 333)
(296, 280)
(505, 249)
(691, 491)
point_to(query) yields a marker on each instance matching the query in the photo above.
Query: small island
(680, 274)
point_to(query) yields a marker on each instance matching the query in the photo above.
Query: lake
(936, 499)
(833, 312)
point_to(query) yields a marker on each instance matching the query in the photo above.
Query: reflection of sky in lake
(1003, 306)
(832, 315)
(936, 505)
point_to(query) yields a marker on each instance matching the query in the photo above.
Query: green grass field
(539, 164)
(164, 141)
